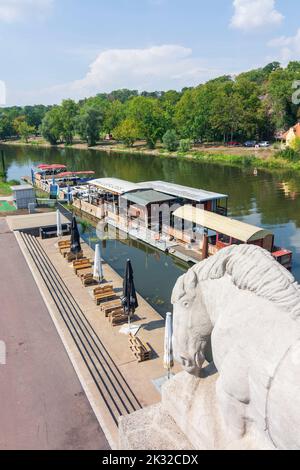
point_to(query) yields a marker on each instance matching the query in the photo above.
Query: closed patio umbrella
(58, 224)
(168, 347)
(98, 269)
(129, 299)
(75, 238)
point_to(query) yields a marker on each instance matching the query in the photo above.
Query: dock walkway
(42, 403)
(114, 382)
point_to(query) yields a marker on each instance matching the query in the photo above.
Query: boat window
(224, 238)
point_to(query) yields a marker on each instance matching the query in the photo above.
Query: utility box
(23, 195)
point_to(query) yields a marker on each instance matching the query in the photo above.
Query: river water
(270, 200)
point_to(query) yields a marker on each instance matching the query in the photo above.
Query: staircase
(112, 386)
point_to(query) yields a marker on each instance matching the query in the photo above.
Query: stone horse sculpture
(248, 307)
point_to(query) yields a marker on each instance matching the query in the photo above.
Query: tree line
(253, 105)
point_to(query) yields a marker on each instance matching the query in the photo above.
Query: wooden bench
(117, 317)
(106, 295)
(108, 307)
(82, 267)
(71, 257)
(87, 277)
(141, 351)
(63, 243)
(103, 293)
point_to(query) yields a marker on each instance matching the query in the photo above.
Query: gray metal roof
(115, 185)
(21, 187)
(143, 198)
(193, 194)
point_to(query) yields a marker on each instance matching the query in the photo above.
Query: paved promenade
(42, 404)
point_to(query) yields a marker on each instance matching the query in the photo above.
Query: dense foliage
(253, 105)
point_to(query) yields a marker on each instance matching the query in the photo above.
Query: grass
(5, 186)
(271, 161)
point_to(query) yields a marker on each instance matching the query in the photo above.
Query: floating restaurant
(189, 223)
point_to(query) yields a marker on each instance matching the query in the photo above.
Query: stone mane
(250, 268)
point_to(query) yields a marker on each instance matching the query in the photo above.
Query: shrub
(295, 145)
(289, 154)
(170, 140)
(185, 145)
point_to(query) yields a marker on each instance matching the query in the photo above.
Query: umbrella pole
(129, 323)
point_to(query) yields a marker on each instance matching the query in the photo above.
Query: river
(270, 200)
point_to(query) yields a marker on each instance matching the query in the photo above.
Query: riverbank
(235, 156)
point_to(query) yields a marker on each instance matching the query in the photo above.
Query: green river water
(270, 200)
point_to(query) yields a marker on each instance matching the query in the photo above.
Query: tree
(22, 128)
(114, 116)
(89, 123)
(184, 145)
(69, 111)
(6, 126)
(148, 117)
(35, 114)
(52, 126)
(170, 140)
(126, 132)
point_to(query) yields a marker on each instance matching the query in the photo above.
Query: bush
(295, 145)
(170, 140)
(185, 145)
(289, 154)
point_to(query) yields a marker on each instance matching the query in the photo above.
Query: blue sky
(51, 49)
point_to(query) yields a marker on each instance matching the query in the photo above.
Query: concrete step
(111, 384)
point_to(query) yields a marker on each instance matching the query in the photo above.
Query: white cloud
(253, 14)
(16, 10)
(288, 47)
(154, 68)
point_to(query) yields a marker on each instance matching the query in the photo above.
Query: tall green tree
(127, 132)
(149, 118)
(52, 126)
(89, 123)
(23, 129)
(69, 112)
(114, 115)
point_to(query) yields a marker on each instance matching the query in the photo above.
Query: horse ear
(178, 290)
(190, 280)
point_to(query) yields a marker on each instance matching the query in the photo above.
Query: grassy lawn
(5, 186)
(5, 189)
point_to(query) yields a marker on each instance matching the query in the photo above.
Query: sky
(56, 49)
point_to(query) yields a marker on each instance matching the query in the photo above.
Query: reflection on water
(270, 200)
(155, 273)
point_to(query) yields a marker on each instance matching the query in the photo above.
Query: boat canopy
(224, 225)
(115, 185)
(193, 194)
(74, 173)
(45, 167)
(145, 197)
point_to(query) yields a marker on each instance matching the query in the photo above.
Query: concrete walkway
(42, 404)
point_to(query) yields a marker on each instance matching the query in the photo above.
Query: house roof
(115, 185)
(192, 194)
(233, 228)
(296, 130)
(143, 198)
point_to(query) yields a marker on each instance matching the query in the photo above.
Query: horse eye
(186, 304)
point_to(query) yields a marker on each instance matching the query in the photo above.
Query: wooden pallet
(108, 294)
(110, 306)
(141, 351)
(117, 317)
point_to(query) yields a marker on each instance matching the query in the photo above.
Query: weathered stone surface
(249, 306)
(151, 429)
(242, 307)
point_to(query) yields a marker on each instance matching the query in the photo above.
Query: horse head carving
(247, 306)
